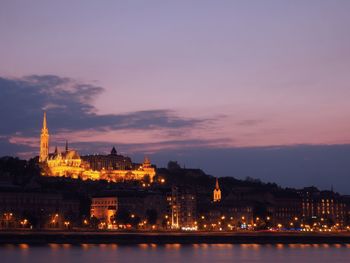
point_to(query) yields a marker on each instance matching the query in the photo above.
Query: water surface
(54, 253)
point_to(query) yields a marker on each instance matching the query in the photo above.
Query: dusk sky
(237, 88)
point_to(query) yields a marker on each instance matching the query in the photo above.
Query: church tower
(146, 163)
(44, 141)
(217, 192)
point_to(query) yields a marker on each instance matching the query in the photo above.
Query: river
(152, 253)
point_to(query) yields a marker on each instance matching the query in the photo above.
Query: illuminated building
(69, 163)
(133, 208)
(104, 208)
(174, 205)
(323, 206)
(230, 213)
(183, 209)
(44, 141)
(238, 209)
(217, 192)
(112, 161)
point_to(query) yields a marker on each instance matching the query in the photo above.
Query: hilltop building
(44, 141)
(69, 163)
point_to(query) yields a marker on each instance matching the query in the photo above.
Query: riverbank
(46, 237)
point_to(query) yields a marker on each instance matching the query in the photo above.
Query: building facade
(323, 209)
(130, 209)
(69, 163)
(37, 210)
(183, 209)
(104, 209)
(287, 210)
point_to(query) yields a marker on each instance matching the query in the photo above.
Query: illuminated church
(217, 192)
(112, 167)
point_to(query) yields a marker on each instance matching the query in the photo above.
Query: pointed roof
(146, 160)
(113, 151)
(44, 122)
(217, 187)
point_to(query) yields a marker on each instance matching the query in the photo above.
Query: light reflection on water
(58, 253)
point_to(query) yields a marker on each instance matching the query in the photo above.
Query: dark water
(174, 253)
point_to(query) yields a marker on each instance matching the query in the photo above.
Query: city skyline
(236, 89)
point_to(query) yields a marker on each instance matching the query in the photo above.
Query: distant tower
(44, 141)
(217, 192)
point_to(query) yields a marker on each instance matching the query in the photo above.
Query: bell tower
(217, 192)
(44, 141)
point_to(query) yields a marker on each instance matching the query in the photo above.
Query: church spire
(217, 192)
(217, 187)
(44, 141)
(44, 121)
